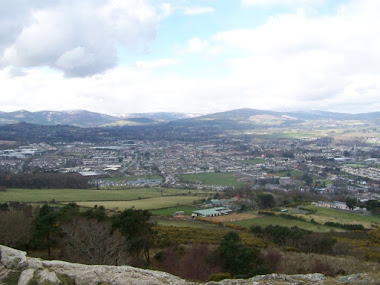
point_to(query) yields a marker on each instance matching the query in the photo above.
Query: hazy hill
(79, 118)
(241, 118)
(96, 127)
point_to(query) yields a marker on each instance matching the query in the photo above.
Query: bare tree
(15, 228)
(92, 242)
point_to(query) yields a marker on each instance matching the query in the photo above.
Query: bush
(273, 259)
(324, 268)
(291, 217)
(219, 276)
(266, 213)
(350, 227)
(256, 229)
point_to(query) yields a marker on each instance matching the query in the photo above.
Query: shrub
(273, 259)
(266, 213)
(350, 227)
(219, 276)
(324, 268)
(256, 229)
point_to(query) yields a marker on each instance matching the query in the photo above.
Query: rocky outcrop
(17, 268)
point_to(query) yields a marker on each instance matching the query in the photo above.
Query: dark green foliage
(351, 227)
(266, 200)
(138, 232)
(98, 213)
(285, 236)
(318, 243)
(235, 258)
(308, 179)
(256, 229)
(242, 209)
(265, 213)
(44, 180)
(4, 207)
(44, 226)
(351, 203)
(219, 276)
(373, 206)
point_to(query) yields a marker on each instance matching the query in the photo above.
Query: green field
(77, 195)
(254, 161)
(293, 173)
(170, 211)
(217, 178)
(144, 204)
(273, 220)
(136, 177)
(342, 216)
(356, 165)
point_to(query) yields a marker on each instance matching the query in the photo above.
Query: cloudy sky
(197, 56)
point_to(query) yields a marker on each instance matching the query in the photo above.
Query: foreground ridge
(17, 268)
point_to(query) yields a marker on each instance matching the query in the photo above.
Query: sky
(198, 56)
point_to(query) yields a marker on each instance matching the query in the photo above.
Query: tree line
(44, 180)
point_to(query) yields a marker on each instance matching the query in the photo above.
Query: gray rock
(25, 277)
(12, 258)
(34, 263)
(48, 277)
(47, 272)
(357, 279)
(315, 277)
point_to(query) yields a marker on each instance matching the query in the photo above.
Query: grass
(136, 177)
(185, 223)
(254, 161)
(170, 211)
(356, 165)
(217, 178)
(293, 173)
(144, 204)
(297, 262)
(77, 195)
(342, 216)
(272, 220)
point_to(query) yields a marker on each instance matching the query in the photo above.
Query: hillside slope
(17, 268)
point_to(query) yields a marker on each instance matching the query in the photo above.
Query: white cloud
(280, 2)
(293, 61)
(78, 37)
(167, 9)
(198, 10)
(163, 62)
(199, 46)
(310, 62)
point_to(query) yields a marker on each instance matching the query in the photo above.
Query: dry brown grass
(295, 262)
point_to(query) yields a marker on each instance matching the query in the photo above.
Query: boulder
(15, 264)
(12, 258)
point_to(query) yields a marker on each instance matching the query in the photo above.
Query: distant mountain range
(240, 117)
(90, 126)
(82, 118)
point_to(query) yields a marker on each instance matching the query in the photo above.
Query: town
(306, 164)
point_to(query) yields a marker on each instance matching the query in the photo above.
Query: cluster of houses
(124, 183)
(336, 205)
